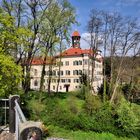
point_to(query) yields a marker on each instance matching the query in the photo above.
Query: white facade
(75, 62)
(70, 73)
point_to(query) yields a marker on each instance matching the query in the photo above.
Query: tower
(76, 39)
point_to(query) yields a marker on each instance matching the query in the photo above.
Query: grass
(57, 112)
(81, 135)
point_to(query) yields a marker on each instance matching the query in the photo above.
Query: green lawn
(80, 135)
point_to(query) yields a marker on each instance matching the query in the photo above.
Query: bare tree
(94, 28)
(129, 39)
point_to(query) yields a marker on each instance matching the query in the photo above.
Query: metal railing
(18, 124)
(4, 105)
(19, 118)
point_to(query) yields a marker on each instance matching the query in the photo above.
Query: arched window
(35, 83)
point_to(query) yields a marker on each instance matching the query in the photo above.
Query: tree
(55, 29)
(10, 75)
(94, 28)
(129, 39)
(118, 35)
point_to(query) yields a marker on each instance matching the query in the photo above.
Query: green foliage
(67, 111)
(11, 36)
(82, 135)
(83, 91)
(92, 104)
(101, 91)
(127, 120)
(10, 75)
(131, 92)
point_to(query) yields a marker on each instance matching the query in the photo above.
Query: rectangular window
(60, 73)
(80, 62)
(53, 87)
(67, 72)
(62, 80)
(75, 72)
(67, 63)
(76, 80)
(69, 80)
(53, 80)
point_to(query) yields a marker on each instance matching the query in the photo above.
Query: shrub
(83, 91)
(92, 104)
(127, 120)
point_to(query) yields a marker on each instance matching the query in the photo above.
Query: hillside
(65, 115)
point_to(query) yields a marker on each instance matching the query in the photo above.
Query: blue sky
(83, 7)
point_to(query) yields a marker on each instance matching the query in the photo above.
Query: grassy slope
(81, 135)
(64, 100)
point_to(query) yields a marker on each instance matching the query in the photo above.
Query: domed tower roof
(75, 33)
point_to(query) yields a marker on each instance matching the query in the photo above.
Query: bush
(92, 104)
(83, 91)
(10, 75)
(127, 120)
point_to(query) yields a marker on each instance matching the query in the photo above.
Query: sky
(83, 7)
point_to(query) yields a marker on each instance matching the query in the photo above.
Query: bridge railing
(23, 129)
(4, 106)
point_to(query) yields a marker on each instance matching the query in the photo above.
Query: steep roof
(75, 33)
(67, 53)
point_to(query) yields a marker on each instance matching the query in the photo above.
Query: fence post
(12, 112)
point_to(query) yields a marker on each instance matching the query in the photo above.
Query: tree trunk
(42, 75)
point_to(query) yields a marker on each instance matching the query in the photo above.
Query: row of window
(36, 83)
(85, 62)
(67, 72)
(64, 80)
(35, 71)
(60, 87)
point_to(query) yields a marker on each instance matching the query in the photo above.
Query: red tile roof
(37, 61)
(75, 52)
(69, 52)
(75, 33)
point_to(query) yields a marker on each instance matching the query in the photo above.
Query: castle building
(75, 61)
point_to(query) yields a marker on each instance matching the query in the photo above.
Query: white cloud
(85, 40)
